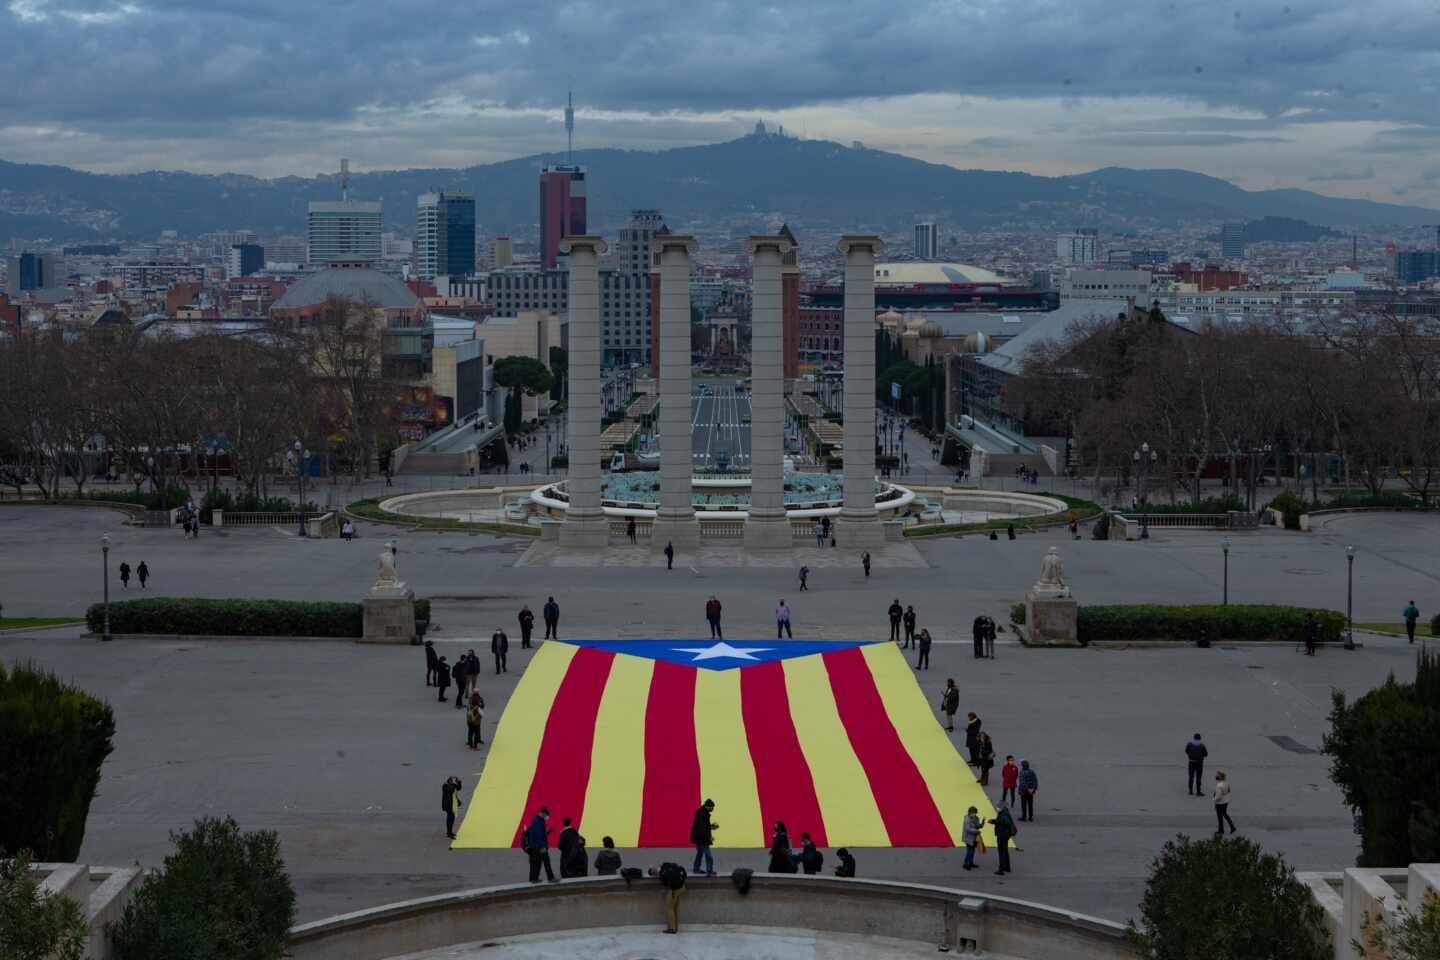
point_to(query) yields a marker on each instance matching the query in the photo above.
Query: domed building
(358, 282)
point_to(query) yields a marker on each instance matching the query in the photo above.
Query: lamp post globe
(1349, 598)
(105, 559)
(1225, 595)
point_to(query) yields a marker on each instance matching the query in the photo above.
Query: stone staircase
(433, 464)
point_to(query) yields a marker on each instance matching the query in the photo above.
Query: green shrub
(1405, 935)
(55, 739)
(560, 463)
(1225, 899)
(35, 925)
(1184, 622)
(1204, 505)
(1291, 506)
(222, 895)
(1435, 625)
(422, 610)
(167, 497)
(230, 618)
(1390, 500)
(1017, 613)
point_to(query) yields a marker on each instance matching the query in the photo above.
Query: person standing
(143, 572)
(527, 626)
(474, 720)
(442, 678)
(909, 620)
(1004, 829)
(712, 616)
(780, 860)
(987, 759)
(499, 646)
(1222, 804)
(431, 661)
(125, 577)
(669, 555)
(972, 737)
(472, 672)
(568, 840)
(672, 878)
(607, 861)
(1411, 614)
(922, 662)
(460, 673)
(811, 859)
(970, 836)
(702, 835)
(949, 703)
(1195, 754)
(551, 610)
(865, 562)
(1009, 780)
(782, 620)
(536, 842)
(450, 803)
(630, 529)
(1029, 786)
(804, 577)
(1312, 633)
(820, 535)
(896, 612)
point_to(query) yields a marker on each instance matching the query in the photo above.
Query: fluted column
(767, 527)
(585, 524)
(859, 525)
(675, 520)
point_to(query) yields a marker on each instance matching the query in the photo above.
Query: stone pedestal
(389, 614)
(1051, 619)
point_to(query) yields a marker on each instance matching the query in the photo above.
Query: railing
(722, 529)
(233, 518)
(1194, 521)
(643, 529)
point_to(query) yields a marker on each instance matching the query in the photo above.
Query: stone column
(767, 527)
(585, 524)
(859, 525)
(675, 520)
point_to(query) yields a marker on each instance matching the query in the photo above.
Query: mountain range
(749, 182)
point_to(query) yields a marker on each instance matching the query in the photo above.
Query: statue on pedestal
(1052, 575)
(387, 576)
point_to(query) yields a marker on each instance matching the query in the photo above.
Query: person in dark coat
(847, 863)
(1004, 829)
(669, 556)
(950, 702)
(450, 803)
(896, 612)
(474, 720)
(607, 861)
(442, 678)
(780, 861)
(143, 572)
(1195, 754)
(712, 615)
(574, 861)
(978, 631)
(1029, 786)
(551, 610)
(460, 673)
(909, 620)
(972, 738)
(811, 859)
(527, 627)
(431, 660)
(702, 836)
(536, 842)
(987, 759)
(472, 673)
(865, 562)
(922, 662)
(124, 574)
(499, 646)
(1312, 634)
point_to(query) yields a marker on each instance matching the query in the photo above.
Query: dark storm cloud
(1343, 176)
(209, 65)
(1181, 139)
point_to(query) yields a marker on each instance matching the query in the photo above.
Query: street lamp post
(1225, 589)
(301, 455)
(214, 465)
(1349, 598)
(105, 558)
(1144, 458)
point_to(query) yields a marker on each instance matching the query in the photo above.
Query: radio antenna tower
(344, 179)
(570, 126)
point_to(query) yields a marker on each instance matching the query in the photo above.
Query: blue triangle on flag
(719, 654)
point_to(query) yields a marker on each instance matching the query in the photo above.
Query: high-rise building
(632, 248)
(1414, 266)
(444, 235)
(343, 230)
(1082, 246)
(927, 241)
(1232, 241)
(562, 208)
(243, 259)
(30, 271)
(499, 253)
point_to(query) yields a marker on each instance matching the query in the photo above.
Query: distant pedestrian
(811, 859)
(536, 844)
(972, 737)
(1222, 804)
(1009, 780)
(472, 673)
(865, 562)
(551, 610)
(1411, 614)
(1312, 633)
(474, 722)
(780, 860)
(896, 612)
(1029, 786)
(125, 575)
(987, 758)
(712, 616)
(1005, 828)
(922, 662)
(949, 703)
(143, 572)
(804, 577)
(1010, 531)
(574, 861)
(825, 528)
(499, 646)
(527, 626)
(1195, 754)
(819, 535)
(607, 861)
(672, 878)
(970, 836)
(669, 555)
(782, 620)
(846, 867)
(388, 481)
(450, 803)
(979, 629)
(442, 678)
(630, 529)
(702, 836)
(460, 673)
(909, 620)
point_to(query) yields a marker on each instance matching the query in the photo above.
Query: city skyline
(1330, 97)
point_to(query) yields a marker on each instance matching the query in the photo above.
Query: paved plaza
(342, 749)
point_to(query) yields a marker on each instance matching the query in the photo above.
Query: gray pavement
(342, 749)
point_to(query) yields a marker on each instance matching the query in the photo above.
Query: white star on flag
(721, 651)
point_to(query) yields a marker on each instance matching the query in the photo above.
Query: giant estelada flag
(627, 737)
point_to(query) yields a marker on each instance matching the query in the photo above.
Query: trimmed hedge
(1185, 622)
(236, 618)
(1204, 505)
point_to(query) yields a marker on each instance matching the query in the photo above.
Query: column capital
(852, 241)
(780, 244)
(670, 241)
(594, 244)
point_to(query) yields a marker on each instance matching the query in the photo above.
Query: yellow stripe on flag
(617, 766)
(497, 806)
(727, 774)
(952, 786)
(841, 786)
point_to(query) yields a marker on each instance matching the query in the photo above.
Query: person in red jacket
(1009, 780)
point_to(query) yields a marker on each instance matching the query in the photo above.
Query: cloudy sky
(1339, 96)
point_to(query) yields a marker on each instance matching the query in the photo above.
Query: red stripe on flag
(562, 767)
(901, 794)
(672, 764)
(782, 777)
